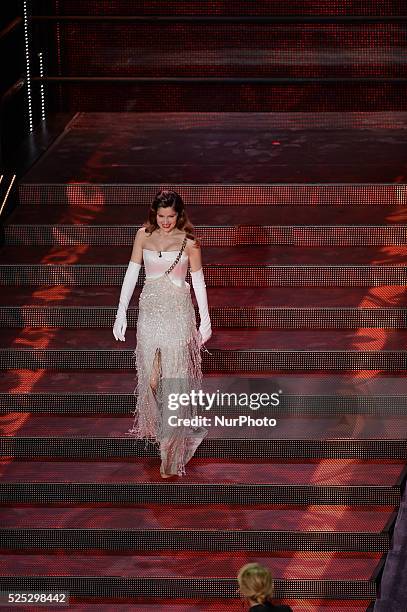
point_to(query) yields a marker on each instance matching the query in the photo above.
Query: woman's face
(166, 219)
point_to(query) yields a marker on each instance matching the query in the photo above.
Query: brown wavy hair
(255, 582)
(165, 199)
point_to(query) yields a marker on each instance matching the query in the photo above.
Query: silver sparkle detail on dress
(166, 329)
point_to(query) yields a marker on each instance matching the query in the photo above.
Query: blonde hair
(255, 582)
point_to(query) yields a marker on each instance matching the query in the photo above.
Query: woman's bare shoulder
(141, 235)
(192, 245)
(193, 241)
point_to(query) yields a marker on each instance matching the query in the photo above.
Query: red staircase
(303, 221)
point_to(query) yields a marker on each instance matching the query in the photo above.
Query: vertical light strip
(42, 87)
(58, 39)
(27, 64)
(8, 191)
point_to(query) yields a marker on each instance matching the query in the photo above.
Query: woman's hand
(120, 326)
(205, 333)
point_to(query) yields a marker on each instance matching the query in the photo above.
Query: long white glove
(198, 283)
(129, 283)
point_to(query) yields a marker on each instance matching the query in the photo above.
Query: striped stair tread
(257, 360)
(113, 540)
(258, 256)
(212, 236)
(374, 520)
(72, 448)
(232, 219)
(303, 298)
(224, 195)
(221, 317)
(107, 586)
(73, 493)
(88, 403)
(215, 275)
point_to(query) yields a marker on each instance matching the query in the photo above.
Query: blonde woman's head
(255, 583)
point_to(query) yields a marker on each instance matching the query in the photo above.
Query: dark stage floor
(227, 148)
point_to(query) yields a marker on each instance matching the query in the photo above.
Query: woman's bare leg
(155, 372)
(154, 381)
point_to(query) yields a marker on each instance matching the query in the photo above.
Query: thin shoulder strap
(178, 257)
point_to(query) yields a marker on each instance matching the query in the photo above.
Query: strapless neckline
(158, 252)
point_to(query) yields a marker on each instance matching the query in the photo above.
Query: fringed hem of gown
(166, 330)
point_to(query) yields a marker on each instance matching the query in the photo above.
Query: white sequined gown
(167, 324)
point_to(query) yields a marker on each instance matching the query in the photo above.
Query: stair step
(37, 190)
(220, 7)
(114, 540)
(156, 122)
(82, 404)
(306, 566)
(246, 95)
(324, 519)
(121, 383)
(299, 341)
(225, 605)
(73, 493)
(224, 317)
(238, 47)
(297, 427)
(380, 297)
(233, 218)
(128, 587)
(99, 256)
(228, 473)
(314, 60)
(238, 275)
(304, 447)
(259, 360)
(212, 236)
